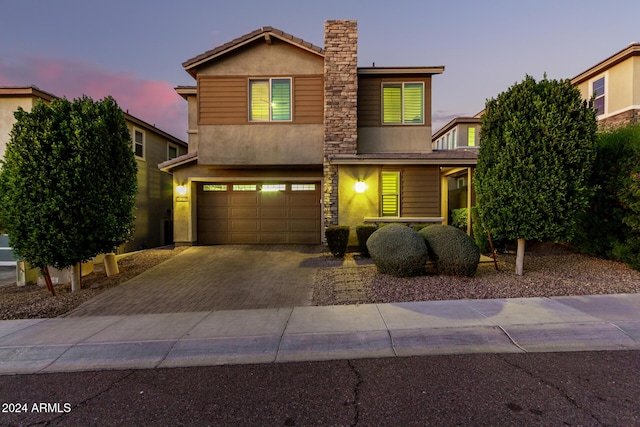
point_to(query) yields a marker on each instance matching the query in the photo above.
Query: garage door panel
(280, 212)
(212, 238)
(303, 239)
(303, 199)
(273, 199)
(272, 238)
(244, 199)
(243, 238)
(301, 212)
(219, 226)
(243, 225)
(303, 224)
(273, 225)
(213, 199)
(248, 217)
(241, 212)
(213, 213)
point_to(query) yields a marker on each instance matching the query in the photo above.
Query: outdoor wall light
(181, 190)
(360, 187)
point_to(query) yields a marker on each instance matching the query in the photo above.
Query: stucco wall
(618, 89)
(261, 59)
(155, 192)
(261, 144)
(354, 207)
(394, 139)
(7, 107)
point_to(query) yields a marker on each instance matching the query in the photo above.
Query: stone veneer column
(340, 105)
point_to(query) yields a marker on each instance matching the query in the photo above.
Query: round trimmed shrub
(452, 250)
(398, 250)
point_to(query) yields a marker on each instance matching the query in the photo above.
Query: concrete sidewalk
(575, 323)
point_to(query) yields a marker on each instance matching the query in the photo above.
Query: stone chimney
(340, 104)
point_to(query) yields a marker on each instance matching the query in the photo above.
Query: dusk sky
(133, 50)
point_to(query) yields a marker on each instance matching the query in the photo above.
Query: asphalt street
(571, 388)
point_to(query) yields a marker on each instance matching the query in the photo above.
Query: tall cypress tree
(68, 182)
(536, 154)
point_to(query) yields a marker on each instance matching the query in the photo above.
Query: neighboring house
(287, 138)
(153, 225)
(461, 132)
(615, 85)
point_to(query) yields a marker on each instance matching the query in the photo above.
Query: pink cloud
(154, 101)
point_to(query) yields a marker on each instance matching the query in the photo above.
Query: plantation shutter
(259, 94)
(413, 103)
(392, 103)
(390, 182)
(471, 137)
(281, 99)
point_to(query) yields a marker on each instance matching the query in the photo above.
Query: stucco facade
(617, 81)
(335, 135)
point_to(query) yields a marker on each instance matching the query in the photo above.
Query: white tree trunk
(520, 258)
(76, 273)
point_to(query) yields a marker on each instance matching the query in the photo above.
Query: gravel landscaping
(33, 301)
(550, 270)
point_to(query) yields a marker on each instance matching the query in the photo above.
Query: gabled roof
(26, 91)
(265, 32)
(453, 123)
(169, 165)
(34, 91)
(632, 50)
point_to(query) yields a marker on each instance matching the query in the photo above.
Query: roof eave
(169, 165)
(192, 64)
(426, 70)
(631, 50)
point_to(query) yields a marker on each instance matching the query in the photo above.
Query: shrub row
(610, 227)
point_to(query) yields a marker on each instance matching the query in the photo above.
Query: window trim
(402, 121)
(270, 88)
(134, 143)
(397, 194)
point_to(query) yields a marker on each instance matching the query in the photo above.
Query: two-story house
(287, 138)
(154, 216)
(614, 83)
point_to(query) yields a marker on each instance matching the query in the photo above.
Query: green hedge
(459, 219)
(610, 227)
(364, 231)
(337, 239)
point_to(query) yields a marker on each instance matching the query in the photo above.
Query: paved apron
(208, 278)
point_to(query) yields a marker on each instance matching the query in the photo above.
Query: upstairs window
(390, 193)
(403, 103)
(598, 92)
(172, 151)
(138, 143)
(270, 100)
(471, 137)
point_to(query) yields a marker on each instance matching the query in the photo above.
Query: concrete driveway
(208, 278)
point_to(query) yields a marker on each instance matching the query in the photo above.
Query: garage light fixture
(181, 190)
(361, 186)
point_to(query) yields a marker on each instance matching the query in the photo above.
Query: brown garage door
(259, 213)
